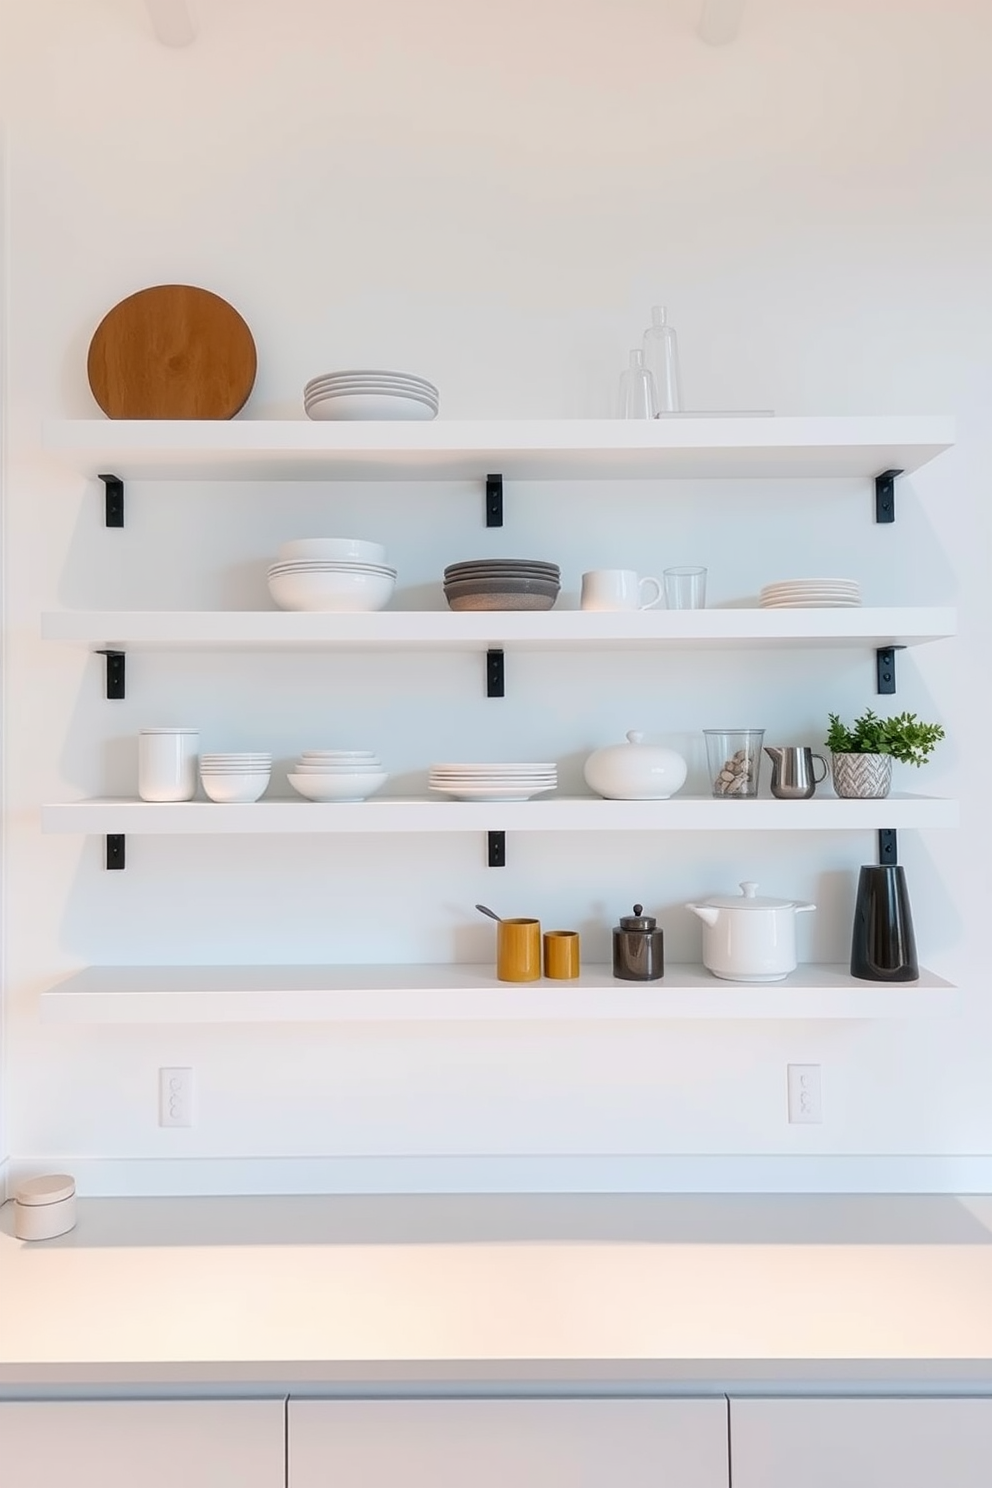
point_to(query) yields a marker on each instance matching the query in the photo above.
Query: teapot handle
(817, 779)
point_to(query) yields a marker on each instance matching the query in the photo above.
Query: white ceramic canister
(635, 771)
(44, 1207)
(747, 937)
(167, 760)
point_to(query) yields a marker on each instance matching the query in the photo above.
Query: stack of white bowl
(493, 782)
(235, 777)
(331, 573)
(371, 394)
(338, 774)
(811, 594)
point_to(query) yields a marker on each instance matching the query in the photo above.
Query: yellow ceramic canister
(518, 950)
(561, 954)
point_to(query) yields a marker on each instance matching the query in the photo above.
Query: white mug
(617, 589)
(167, 760)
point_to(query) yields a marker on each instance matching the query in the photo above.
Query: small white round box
(44, 1207)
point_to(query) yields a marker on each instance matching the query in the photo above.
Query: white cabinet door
(508, 1444)
(906, 1443)
(142, 1444)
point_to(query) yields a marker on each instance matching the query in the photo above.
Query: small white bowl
(338, 756)
(350, 787)
(231, 788)
(355, 548)
(246, 757)
(348, 592)
(367, 767)
(331, 566)
(215, 772)
(236, 762)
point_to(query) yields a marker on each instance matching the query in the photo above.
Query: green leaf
(903, 736)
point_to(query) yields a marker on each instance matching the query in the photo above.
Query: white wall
(4, 316)
(493, 196)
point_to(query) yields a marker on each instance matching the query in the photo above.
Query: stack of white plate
(810, 594)
(370, 395)
(331, 573)
(493, 782)
(338, 774)
(235, 777)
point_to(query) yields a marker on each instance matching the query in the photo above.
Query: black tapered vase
(883, 946)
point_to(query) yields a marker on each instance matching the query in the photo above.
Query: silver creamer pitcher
(794, 775)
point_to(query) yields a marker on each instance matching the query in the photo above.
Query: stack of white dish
(372, 394)
(235, 777)
(493, 782)
(331, 573)
(810, 594)
(338, 774)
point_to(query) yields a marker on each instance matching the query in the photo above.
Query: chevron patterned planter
(861, 774)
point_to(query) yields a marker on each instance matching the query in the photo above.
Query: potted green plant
(861, 756)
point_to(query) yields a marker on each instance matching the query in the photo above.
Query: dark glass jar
(638, 948)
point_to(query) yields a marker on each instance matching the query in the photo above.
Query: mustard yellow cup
(518, 950)
(561, 954)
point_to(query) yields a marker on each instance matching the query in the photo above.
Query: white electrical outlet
(175, 1097)
(805, 1096)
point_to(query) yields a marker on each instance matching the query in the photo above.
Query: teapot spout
(706, 913)
(774, 753)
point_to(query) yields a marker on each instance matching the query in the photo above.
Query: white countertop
(538, 1292)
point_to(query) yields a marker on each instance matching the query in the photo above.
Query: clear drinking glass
(685, 588)
(734, 760)
(638, 394)
(661, 357)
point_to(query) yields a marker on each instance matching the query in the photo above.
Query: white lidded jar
(635, 771)
(748, 937)
(44, 1207)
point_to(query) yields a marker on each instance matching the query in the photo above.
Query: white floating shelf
(467, 993)
(447, 630)
(554, 814)
(531, 449)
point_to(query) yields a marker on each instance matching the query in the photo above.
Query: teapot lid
(748, 898)
(638, 920)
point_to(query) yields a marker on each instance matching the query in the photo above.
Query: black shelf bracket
(494, 501)
(887, 849)
(113, 500)
(885, 496)
(115, 674)
(496, 849)
(885, 668)
(115, 850)
(495, 674)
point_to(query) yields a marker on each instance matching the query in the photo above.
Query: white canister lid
(749, 898)
(50, 1188)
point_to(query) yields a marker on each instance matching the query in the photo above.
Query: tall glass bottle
(661, 355)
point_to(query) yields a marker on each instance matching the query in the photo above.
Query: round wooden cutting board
(172, 352)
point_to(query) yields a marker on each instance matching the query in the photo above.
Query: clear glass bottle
(638, 394)
(661, 357)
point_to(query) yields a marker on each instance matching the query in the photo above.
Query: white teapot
(748, 937)
(635, 771)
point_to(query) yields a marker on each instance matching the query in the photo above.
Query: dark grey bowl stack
(502, 584)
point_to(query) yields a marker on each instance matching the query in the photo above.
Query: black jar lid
(638, 920)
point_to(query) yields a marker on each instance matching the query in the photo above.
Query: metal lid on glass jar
(638, 920)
